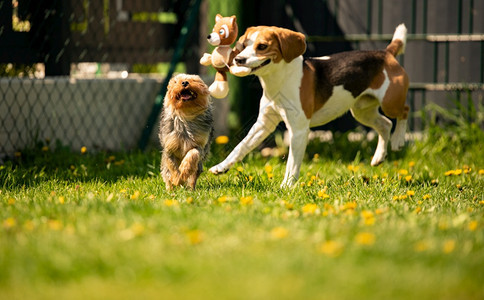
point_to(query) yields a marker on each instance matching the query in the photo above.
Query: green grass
(102, 226)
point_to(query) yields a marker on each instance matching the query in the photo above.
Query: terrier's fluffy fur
(186, 130)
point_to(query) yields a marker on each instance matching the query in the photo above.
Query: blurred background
(92, 73)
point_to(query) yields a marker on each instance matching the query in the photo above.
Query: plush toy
(223, 35)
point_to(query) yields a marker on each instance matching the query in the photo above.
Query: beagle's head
(262, 46)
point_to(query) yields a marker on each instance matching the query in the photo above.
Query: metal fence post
(180, 46)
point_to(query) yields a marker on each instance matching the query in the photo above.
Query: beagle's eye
(261, 47)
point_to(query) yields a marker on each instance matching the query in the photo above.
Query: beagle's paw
(219, 169)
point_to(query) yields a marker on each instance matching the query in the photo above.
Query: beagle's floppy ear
(292, 43)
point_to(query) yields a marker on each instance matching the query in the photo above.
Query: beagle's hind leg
(366, 112)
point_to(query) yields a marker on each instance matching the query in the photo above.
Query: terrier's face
(187, 94)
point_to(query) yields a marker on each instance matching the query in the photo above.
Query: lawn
(98, 225)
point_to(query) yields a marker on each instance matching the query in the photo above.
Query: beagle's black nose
(240, 60)
(185, 83)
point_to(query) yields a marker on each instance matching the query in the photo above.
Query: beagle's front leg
(266, 123)
(298, 133)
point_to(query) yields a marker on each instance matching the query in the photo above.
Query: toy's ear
(218, 17)
(233, 19)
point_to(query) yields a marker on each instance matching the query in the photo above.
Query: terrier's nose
(185, 83)
(240, 60)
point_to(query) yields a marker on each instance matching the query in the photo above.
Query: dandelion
(222, 140)
(379, 211)
(310, 209)
(349, 205)
(322, 194)
(421, 246)
(55, 225)
(119, 163)
(222, 199)
(83, 150)
(316, 157)
(62, 199)
(410, 193)
(403, 172)
(411, 164)
(287, 205)
(417, 210)
(481, 172)
(279, 233)
(408, 178)
(189, 200)
(45, 149)
(449, 246)
(170, 202)
(194, 236)
(472, 225)
(240, 169)
(426, 197)
(249, 200)
(331, 248)
(11, 201)
(458, 172)
(368, 217)
(365, 238)
(9, 223)
(135, 195)
(268, 169)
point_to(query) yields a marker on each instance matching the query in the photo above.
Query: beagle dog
(310, 92)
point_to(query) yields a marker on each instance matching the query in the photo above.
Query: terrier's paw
(219, 89)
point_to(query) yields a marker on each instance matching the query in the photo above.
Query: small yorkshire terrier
(186, 130)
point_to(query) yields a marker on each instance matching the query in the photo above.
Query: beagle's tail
(397, 46)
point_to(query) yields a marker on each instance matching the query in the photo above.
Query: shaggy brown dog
(186, 130)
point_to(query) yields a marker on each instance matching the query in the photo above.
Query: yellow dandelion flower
(331, 248)
(472, 225)
(410, 193)
(222, 199)
(222, 139)
(458, 172)
(287, 205)
(481, 172)
(170, 202)
(408, 178)
(365, 238)
(194, 236)
(403, 172)
(411, 164)
(268, 168)
(375, 177)
(135, 195)
(349, 205)
(9, 223)
(421, 246)
(240, 169)
(62, 199)
(123, 191)
(119, 162)
(11, 201)
(417, 210)
(316, 157)
(55, 225)
(83, 150)
(45, 148)
(448, 246)
(310, 208)
(449, 173)
(322, 194)
(249, 200)
(426, 197)
(252, 178)
(279, 233)
(270, 175)
(379, 211)
(189, 200)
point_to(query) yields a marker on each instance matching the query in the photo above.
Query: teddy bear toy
(223, 35)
